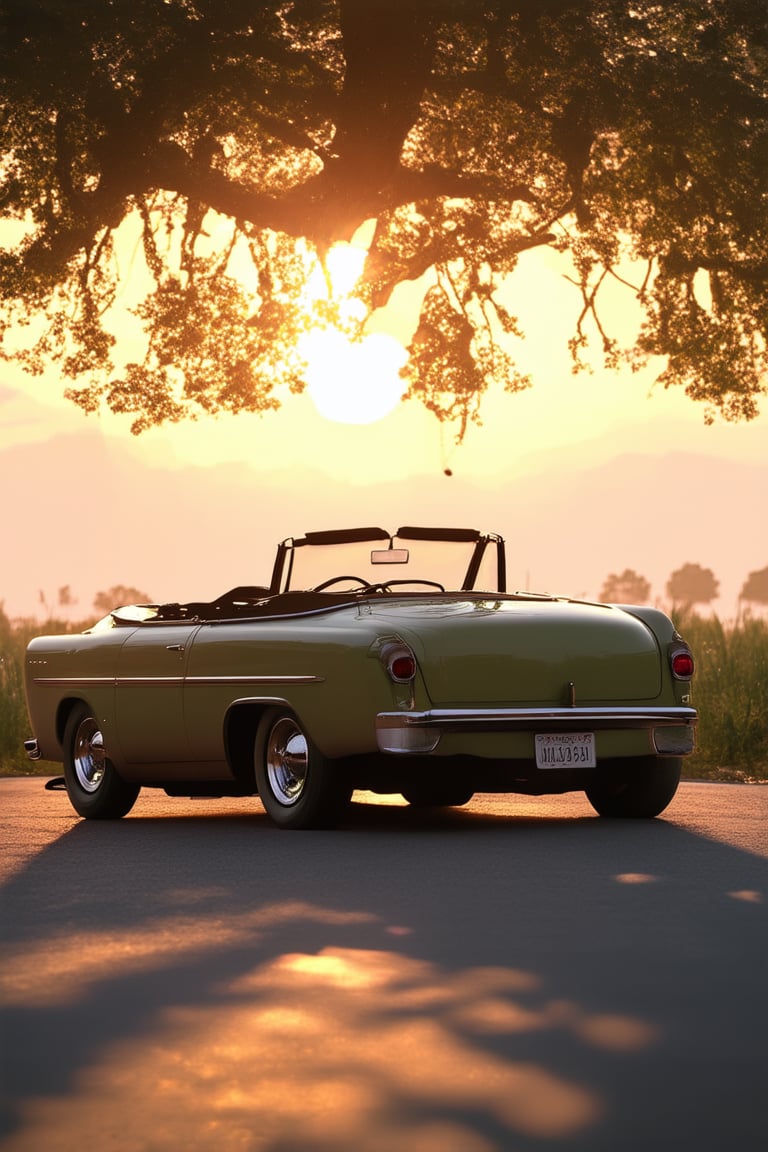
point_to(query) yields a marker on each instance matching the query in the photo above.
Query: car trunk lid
(533, 651)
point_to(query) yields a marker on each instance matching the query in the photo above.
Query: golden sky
(563, 416)
(564, 428)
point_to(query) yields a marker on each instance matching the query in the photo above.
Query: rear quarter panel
(324, 667)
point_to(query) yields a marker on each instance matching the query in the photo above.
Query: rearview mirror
(390, 556)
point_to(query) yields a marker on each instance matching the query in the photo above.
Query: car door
(150, 694)
(227, 662)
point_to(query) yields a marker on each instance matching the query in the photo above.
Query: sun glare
(353, 381)
(345, 265)
(350, 379)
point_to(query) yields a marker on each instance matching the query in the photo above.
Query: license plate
(566, 750)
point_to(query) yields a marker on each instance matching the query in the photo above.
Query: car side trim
(114, 681)
(265, 679)
(76, 681)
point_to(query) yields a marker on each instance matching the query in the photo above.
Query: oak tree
(186, 160)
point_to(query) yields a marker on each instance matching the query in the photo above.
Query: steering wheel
(388, 585)
(337, 580)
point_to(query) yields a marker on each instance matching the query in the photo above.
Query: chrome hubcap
(287, 756)
(89, 756)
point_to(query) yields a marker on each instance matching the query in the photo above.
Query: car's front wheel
(95, 789)
(297, 785)
(639, 788)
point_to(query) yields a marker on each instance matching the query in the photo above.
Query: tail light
(681, 661)
(399, 661)
(402, 668)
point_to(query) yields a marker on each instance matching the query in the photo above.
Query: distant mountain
(84, 510)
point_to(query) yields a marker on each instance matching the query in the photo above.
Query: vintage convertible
(395, 663)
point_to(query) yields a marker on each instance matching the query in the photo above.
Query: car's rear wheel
(639, 788)
(298, 786)
(95, 789)
(435, 796)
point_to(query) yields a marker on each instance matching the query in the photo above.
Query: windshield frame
(478, 544)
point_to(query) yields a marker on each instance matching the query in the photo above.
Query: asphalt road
(516, 975)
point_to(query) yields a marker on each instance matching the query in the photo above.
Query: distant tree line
(103, 602)
(687, 586)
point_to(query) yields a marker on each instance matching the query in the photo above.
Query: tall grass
(730, 691)
(13, 712)
(14, 722)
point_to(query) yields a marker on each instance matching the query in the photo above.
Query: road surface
(516, 975)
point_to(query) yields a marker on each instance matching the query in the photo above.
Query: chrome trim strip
(132, 681)
(276, 679)
(566, 718)
(115, 681)
(76, 681)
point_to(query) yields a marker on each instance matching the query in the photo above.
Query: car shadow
(460, 980)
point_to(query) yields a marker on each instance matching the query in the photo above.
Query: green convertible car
(395, 663)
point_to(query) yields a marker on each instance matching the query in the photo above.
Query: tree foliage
(755, 588)
(627, 587)
(213, 148)
(692, 584)
(117, 596)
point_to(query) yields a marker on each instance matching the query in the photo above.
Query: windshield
(454, 559)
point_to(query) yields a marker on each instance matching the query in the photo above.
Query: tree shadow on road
(460, 982)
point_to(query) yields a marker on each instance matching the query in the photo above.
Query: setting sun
(353, 381)
(352, 378)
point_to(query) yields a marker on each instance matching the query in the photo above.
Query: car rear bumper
(420, 732)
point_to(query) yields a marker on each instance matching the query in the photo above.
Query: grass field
(730, 692)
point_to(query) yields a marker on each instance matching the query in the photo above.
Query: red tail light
(402, 668)
(682, 664)
(398, 659)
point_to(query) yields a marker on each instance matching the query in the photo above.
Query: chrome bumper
(420, 732)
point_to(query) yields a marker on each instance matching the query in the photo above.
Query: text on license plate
(566, 750)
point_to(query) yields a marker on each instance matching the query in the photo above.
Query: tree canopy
(755, 588)
(212, 147)
(627, 587)
(117, 596)
(692, 584)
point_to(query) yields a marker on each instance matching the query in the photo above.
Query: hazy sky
(562, 428)
(603, 411)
